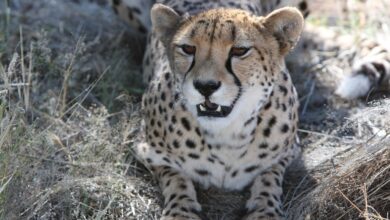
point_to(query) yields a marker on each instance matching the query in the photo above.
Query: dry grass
(63, 154)
(69, 116)
(355, 183)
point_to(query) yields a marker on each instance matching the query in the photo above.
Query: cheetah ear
(164, 21)
(286, 25)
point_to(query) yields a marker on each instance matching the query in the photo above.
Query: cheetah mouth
(211, 109)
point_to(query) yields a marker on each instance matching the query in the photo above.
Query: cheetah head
(226, 61)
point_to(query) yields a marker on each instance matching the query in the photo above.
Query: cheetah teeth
(203, 109)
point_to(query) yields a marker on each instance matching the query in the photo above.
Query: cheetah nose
(206, 88)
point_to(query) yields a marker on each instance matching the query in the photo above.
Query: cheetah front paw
(263, 214)
(183, 213)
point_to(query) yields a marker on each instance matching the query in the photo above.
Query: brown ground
(69, 115)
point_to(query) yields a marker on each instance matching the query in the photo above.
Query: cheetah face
(226, 61)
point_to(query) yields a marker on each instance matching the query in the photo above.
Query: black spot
(163, 96)
(174, 205)
(268, 105)
(270, 203)
(263, 155)
(116, 2)
(177, 96)
(160, 109)
(186, 124)
(277, 182)
(266, 182)
(194, 156)
(251, 168)
(173, 196)
(234, 173)
(202, 172)
(197, 131)
(167, 75)
(166, 160)
(249, 121)
(176, 144)
(258, 120)
(243, 154)
(285, 77)
(284, 128)
(283, 89)
(272, 121)
(291, 101)
(266, 194)
(275, 148)
(182, 159)
(173, 119)
(263, 145)
(284, 108)
(183, 186)
(253, 131)
(267, 132)
(190, 144)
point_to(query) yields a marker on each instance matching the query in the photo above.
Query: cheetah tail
(366, 76)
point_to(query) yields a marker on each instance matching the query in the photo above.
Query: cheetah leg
(180, 201)
(266, 194)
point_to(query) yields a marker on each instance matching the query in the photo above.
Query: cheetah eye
(188, 49)
(239, 51)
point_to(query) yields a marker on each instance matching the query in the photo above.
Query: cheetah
(220, 108)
